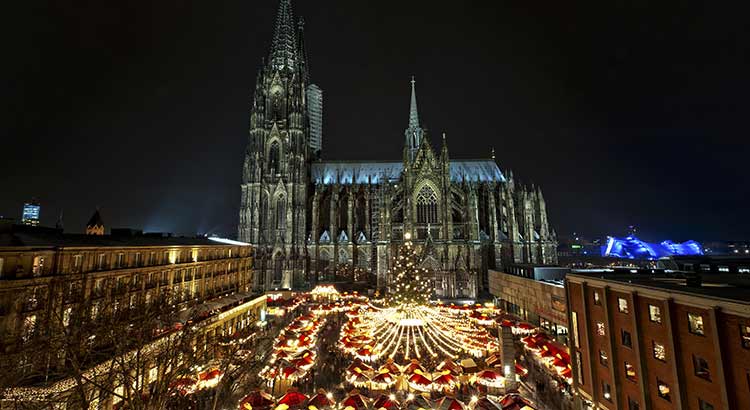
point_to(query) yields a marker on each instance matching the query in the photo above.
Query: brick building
(663, 341)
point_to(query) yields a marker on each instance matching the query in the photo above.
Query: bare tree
(95, 354)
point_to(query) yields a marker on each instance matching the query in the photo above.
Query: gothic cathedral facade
(306, 216)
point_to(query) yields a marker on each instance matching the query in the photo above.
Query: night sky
(624, 112)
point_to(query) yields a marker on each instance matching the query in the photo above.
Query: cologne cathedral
(307, 216)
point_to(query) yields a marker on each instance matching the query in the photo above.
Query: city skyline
(147, 119)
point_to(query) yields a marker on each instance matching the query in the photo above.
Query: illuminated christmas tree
(411, 283)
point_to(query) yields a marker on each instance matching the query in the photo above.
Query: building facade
(539, 301)
(49, 280)
(659, 341)
(306, 216)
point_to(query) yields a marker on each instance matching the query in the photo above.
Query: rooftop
(25, 236)
(364, 172)
(732, 287)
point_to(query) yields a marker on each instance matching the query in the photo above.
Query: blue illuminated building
(30, 215)
(634, 248)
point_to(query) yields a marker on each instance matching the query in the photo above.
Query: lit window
(654, 313)
(600, 329)
(574, 329)
(700, 366)
(100, 261)
(660, 353)
(663, 390)
(626, 339)
(38, 266)
(29, 326)
(579, 367)
(120, 260)
(704, 405)
(603, 359)
(723, 268)
(597, 300)
(695, 324)
(745, 335)
(630, 372)
(606, 391)
(743, 269)
(66, 316)
(622, 305)
(77, 262)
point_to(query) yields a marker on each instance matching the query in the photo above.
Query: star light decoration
(409, 326)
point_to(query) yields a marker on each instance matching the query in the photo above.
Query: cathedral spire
(414, 133)
(284, 46)
(413, 112)
(302, 50)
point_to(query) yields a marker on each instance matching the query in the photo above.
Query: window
(663, 390)
(704, 405)
(579, 367)
(38, 266)
(600, 329)
(1, 267)
(695, 324)
(603, 359)
(426, 206)
(66, 316)
(574, 320)
(626, 339)
(100, 261)
(273, 158)
(99, 286)
(120, 262)
(281, 213)
(700, 366)
(660, 353)
(622, 305)
(137, 260)
(630, 372)
(77, 262)
(633, 405)
(744, 330)
(607, 391)
(654, 313)
(597, 299)
(151, 258)
(29, 327)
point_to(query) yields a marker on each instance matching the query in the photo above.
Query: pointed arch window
(273, 158)
(427, 206)
(281, 213)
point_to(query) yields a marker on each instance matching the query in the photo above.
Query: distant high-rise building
(315, 116)
(30, 214)
(95, 225)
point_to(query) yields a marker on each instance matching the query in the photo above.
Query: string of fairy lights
(412, 332)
